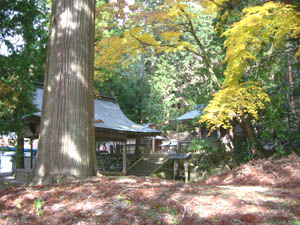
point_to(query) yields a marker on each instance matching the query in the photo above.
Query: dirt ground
(260, 192)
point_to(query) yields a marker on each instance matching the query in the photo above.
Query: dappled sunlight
(46, 123)
(126, 180)
(67, 16)
(41, 170)
(79, 74)
(140, 200)
(66, 121)
(147, 200)
(69, 148)
(246, 188)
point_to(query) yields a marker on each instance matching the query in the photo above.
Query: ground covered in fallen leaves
(284, 172)
(260, 192)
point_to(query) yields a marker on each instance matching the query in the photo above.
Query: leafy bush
(198, 145)
(208, 153)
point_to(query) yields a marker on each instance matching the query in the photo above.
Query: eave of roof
(108, 116)
(196, 112)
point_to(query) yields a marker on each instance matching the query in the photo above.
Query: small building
(193, 114)
(169, 146)
(111, 125)
(7, 159)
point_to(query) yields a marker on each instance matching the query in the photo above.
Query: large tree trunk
(67, 135)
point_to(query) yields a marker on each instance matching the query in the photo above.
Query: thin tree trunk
(249, 131)
(214, 80)
(20, 153)
(141, 91)
(291, 87)
(67, 135)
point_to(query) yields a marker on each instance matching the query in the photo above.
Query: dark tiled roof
(108, 115)
(198, 111)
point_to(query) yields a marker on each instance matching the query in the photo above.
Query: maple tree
(240, 100)
(169, 27)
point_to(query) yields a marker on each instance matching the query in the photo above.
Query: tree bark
(140, 96)
(250, 133)
(67, 135)
(291, 86)
(20, 153)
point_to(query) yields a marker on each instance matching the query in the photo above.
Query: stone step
(148, 165)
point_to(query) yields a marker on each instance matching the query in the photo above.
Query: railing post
(175, 168)
(186, 171)
(124, 158)
(153, 144)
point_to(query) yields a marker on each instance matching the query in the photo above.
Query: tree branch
(217, 4)
(204, 55)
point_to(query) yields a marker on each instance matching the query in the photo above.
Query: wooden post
(31, 150)
(20, 154)
(186, 171)
(175, 168)
(137, 145)
(153, 145)
(219, 133)
(200, 133)
(177, 130)
(124, 158)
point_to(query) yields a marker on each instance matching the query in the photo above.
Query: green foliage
(208, 154)
(242, 151)
(260, 38)
(198, 145)
(23, 63)
(125, 88)
(178, 43)
(38, 206)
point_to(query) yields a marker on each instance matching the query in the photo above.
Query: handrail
(134, 164)
(158, 168)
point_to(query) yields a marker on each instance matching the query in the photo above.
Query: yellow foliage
(213, 6)
(171, 36)
(272, 22)
(114, 50)
(109, 52)
(8, 97)
(4, 89)
(232, 103)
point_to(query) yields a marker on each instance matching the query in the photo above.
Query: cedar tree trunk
(67, 135)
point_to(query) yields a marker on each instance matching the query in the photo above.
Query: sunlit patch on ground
(114, 200)
(126, 180)
(142, 201)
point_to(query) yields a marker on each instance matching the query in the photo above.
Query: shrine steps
(148, 165)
